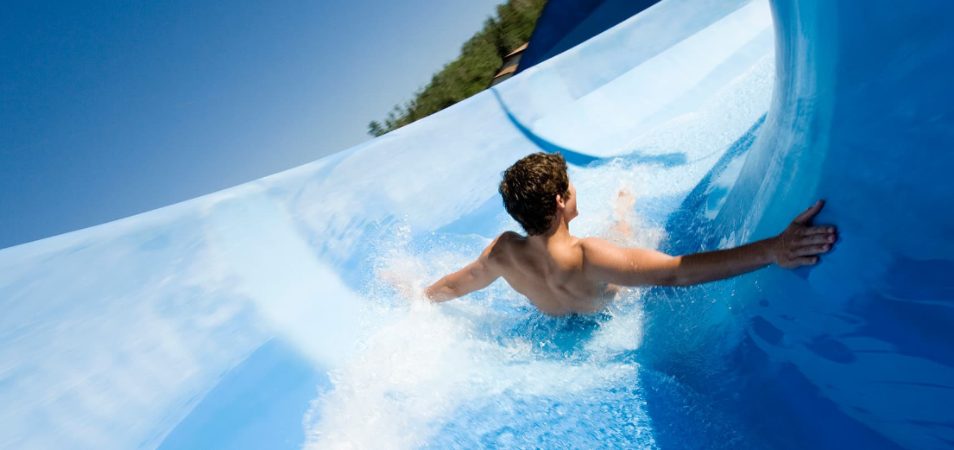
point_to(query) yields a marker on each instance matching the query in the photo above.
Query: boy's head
(535, 189)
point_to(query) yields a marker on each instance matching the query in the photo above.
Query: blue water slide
(265, 315)
(858, 349)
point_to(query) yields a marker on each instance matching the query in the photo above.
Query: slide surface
(264, 316)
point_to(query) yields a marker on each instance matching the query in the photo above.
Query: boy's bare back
(551, 276)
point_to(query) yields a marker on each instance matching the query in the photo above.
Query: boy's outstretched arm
(800, 244)
(476, 275)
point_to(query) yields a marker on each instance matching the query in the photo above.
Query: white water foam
(421, 362)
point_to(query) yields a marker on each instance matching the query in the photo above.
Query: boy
(563, 274)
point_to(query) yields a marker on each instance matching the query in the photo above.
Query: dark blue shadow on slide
(582, 159)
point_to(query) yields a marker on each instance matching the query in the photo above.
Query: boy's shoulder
(507, 241)
(590, 245)
(508, 237)
(504, 245)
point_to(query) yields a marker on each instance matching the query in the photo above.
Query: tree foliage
(473, 70)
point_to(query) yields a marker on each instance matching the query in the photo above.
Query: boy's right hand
(404, 286)
(801, 243)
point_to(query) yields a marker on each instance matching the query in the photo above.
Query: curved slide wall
(257, 316)
(857, 349)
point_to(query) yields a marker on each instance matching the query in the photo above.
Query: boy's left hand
(801, 243)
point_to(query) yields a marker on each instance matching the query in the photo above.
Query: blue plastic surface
(564, 24)
(262, 313)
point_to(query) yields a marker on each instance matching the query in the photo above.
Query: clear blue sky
(108, 109)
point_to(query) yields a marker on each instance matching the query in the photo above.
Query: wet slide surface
(259, 316)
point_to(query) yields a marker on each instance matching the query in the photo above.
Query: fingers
(814, 239)
(809, 213)
(810, 250)
(821, 229)
(805, 243)
(805, 261)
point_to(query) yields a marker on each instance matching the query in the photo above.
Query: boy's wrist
(772, 246)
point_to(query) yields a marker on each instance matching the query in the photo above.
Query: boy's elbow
(674, 279)
(673, 273)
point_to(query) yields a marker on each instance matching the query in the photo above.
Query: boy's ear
(560, 201)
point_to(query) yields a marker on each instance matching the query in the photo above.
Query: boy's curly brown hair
(529, 189)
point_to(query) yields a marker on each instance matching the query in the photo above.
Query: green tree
(473, 70)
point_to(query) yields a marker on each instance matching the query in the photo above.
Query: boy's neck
(559, 232)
